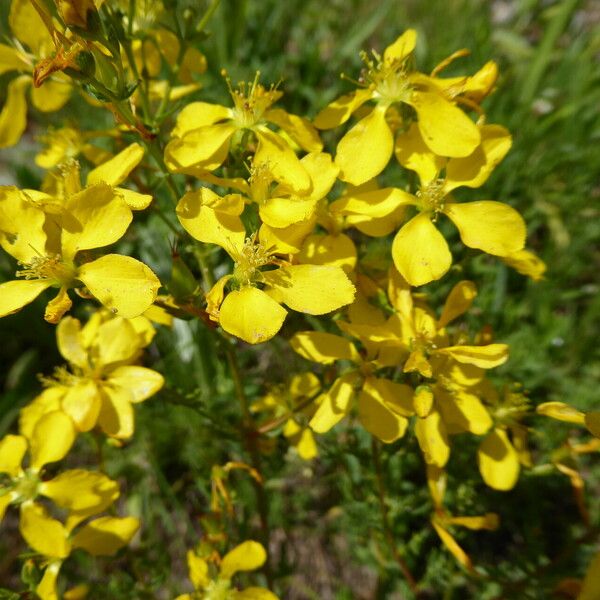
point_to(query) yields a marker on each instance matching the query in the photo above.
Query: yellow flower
(46, 247)
(419, 250)
(82, 493)
(442, 520)
(366, 149)
(101, 384)
(204, 133)
(248, 556)
(289, 405)
(383, 405)
(33, 43)
(253, 314)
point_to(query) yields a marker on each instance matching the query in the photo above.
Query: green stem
(250, 435)
(385, 518)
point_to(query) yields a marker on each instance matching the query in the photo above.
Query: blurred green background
(325, 522)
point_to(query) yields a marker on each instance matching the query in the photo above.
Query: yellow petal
(306, 445)
(402, 47)
(46, 589)
(251, 315)
(198, 570)
(70, 342)
(116, 170)
(52, 95)
(22, 232)
(474, 170)
(491, 226)
(52, 437)
(27, 26)
(12, 60)
(115, 341)
(116, 416)
(95, 217)
(340, 110)
(452, 545)
(82, 403)
(312, 289)
(433, 439)
(592, 422)
(206, 224)
(458, 302)
(322, 171)
(5, 501)
(420, 251)
(527, 263)
(205, 147)
(379, 420)
(423, 401)
(445, 129)
(282, 212)
(334, 405)
(335, 250)
(284, 164)
(498, 461)
(485, 357)
(79, 490)
(373, 203)
(561, 412)
(106, 535)
(48, 401)
(248, 556)
(13, 116)
(214, 297)
(12, 451)
(14, 295)
(462, 411)
(298, 128)
(124, 285)
(366, 149)
(44, 534)
(140, 382)
(199, 114)
(287, 240)
(418, 361)
(489, 521)
(58, 306)
(135, 200)
(323, 347)
(437, 480)
(412, 153)
(398, 397)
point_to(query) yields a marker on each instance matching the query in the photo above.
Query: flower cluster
(269, 227)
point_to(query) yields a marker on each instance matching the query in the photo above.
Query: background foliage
(327, 540)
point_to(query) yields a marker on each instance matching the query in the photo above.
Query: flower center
(431, 197)
(260, 181)
(61, 376)
(49, 267)
(251, 100)
(218, 590)
(248, 262)
(389, 79)
(26, 486)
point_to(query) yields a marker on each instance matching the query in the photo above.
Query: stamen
(47, 267)
(61, 376)
(248, 262)
(251, 100)
(388, 78)
(431, 197)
